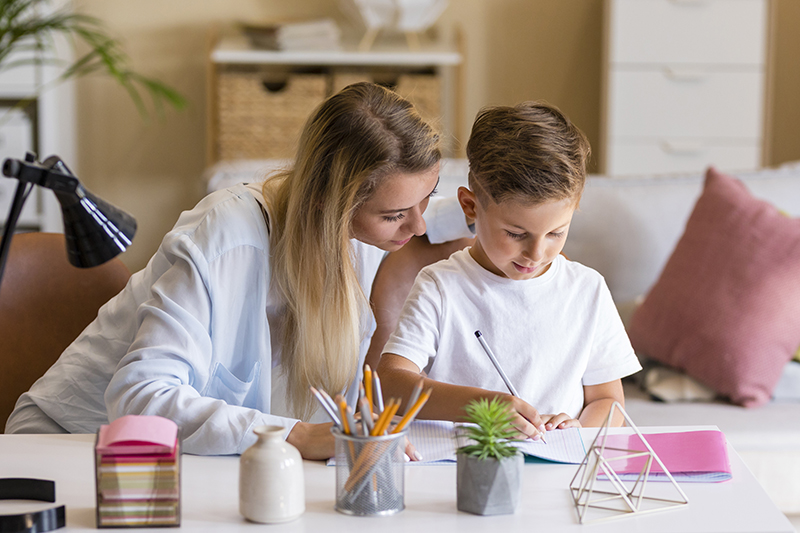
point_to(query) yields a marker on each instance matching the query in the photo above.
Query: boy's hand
(560, 421)
(528, 421)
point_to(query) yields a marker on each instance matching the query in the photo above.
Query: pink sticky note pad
(138, 434)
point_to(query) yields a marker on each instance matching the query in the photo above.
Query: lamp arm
(94, 230)
(21, 194)
(30, 173)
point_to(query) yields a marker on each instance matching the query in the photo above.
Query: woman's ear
(468, 201)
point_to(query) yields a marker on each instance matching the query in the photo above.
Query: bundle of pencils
(375, 417)
(372, 440)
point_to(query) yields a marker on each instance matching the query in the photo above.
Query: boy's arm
(597, 402)
(399, 376)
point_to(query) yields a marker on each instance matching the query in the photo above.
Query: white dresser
(684, 85)
(46, 125)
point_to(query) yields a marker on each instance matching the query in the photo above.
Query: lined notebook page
(435, 441)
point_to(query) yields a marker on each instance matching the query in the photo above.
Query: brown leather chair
(45, 302)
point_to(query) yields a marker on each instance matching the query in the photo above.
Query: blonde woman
(257, 293)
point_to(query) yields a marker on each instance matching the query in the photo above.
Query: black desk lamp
(95, 230)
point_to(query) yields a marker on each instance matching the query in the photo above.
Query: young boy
(550, 322)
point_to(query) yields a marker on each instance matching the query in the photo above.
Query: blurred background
(512, 50)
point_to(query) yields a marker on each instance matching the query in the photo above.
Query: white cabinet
(45, 126)
(684, 85)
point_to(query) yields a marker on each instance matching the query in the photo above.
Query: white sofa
(626, 229)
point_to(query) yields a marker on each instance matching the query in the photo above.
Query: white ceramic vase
(271, 483)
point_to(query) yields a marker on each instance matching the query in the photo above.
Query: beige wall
(514, 50)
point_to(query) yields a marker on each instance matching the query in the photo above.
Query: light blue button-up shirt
(186, 339)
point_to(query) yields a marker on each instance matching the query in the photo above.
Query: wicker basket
(263, 120)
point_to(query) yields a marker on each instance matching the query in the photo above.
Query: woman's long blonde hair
(355, 139)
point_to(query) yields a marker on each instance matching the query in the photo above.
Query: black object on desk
(33, 522)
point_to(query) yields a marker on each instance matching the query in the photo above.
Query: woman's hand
(313, 441)
(560, 421)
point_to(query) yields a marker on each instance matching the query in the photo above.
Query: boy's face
(516, 240)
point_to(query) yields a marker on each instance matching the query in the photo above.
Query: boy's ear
(468, 201)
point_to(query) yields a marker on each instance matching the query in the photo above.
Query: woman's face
(393, 214)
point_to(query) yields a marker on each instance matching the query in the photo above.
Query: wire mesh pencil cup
(369, 473)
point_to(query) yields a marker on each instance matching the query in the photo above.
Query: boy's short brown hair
(530, 152)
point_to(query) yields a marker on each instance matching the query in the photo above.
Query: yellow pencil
(386, 416)
(340, 401)
(379, 421)
(368, 386)
(412, 413)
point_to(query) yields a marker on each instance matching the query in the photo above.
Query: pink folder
(138, 435)
(695, 456)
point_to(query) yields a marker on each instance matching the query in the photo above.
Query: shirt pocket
(227, 387)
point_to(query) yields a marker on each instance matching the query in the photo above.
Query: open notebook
(436, 441)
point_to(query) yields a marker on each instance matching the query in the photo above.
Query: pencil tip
(478, 333)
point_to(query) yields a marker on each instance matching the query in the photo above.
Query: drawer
(688, 31)
(16, 137)
(676, 156)
(261, 115)
(685, 103)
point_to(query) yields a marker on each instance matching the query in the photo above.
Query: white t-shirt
(552, 334)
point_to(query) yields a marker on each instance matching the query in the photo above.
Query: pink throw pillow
(726, 308)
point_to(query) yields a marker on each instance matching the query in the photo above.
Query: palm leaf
(28, 30)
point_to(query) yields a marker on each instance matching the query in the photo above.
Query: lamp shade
(95, 230)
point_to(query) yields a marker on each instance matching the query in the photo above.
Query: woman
(187, 338)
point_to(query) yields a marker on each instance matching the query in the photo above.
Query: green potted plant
(489, 464)
(28, 32)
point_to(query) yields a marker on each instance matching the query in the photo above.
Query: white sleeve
(417, 334)
(445, 220)
(612, 356)
(168, 368)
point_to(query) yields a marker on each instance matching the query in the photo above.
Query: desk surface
(210, 496)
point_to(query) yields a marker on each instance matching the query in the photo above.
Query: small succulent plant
(490, 431)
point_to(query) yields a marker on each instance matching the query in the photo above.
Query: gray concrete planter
(489, 486)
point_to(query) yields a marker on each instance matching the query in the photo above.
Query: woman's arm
(597, 402)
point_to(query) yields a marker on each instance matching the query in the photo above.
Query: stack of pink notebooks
(137, 459)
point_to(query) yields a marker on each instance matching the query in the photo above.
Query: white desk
(210, 497)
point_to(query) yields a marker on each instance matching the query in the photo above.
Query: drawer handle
(684, 73)
(682, 147)
(689, 2)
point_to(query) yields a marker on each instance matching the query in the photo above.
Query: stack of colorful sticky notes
(138, 472)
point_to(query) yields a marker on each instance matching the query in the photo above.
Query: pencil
(368, 386)
(378, 391)
(331, 413)
(414, 395)
(366, 416)
(500, 371)
(386, 417)
(343, 410)
(412, 413)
